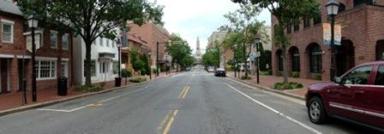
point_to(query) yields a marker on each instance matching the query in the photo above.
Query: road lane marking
(182, 92)
(170, 122)
(274, 110)
(272, 93)
(91, 105)
(185, 93)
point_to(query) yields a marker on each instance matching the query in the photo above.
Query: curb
(52, 102)
(260, 87)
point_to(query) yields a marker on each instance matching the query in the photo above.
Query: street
(193, 102)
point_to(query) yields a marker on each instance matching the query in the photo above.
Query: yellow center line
(170, 122)
(186, 92)
(182, 92)
(166, 124)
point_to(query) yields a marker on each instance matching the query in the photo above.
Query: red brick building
(135, 43)
(362, 40)
(152, 33)
(53, 55)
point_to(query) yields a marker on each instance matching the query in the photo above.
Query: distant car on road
(356, 96)
(211, 69)
(220, 72)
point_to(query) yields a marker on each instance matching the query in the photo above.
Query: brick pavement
(269, 81)
(15, 99)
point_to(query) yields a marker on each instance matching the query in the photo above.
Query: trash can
(62, 86)
(117, 81)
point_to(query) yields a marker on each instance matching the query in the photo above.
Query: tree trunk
(285, 69)
(87, 67)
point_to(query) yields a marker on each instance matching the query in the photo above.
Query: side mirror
(338, 80)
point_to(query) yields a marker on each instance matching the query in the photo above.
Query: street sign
(37, 42)
(327, 34)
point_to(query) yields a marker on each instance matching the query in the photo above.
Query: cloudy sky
(198, 18)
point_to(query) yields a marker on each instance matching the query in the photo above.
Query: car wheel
(316, 111)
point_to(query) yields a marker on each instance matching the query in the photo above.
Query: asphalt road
(188, 103)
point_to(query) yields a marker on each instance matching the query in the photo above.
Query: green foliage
(317, 76)
(91, 88)
(145, 70)
(211, 57)
(295, 74)
(268, 72)
(245, 78)
(289, 85)
(138, 79)
(180, 51)
(91, 19)
(125, 73)
(137, 63)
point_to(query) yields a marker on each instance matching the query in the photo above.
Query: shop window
(45, 69)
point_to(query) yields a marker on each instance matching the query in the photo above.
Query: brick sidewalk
(269, 81)
(14, 100)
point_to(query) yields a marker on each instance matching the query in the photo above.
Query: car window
(380, 76)
(358, 76)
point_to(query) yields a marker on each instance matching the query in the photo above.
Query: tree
(91, 19)
(244, 24)
(137, 63)
(145, 69)
(211, 57)
(180, 51)
(285, 12)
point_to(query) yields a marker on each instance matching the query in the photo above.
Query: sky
(199, 18)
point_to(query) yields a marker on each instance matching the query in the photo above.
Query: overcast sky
(198, 18)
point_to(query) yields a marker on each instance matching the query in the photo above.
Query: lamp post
(150, 71)
(32, 24)
(157, 58)
(234, 60)
(118, 79)
(333, 8)
(258, 54)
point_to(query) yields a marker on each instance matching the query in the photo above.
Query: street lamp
(150, 71)
(33, 24)
(234, 60)
(157, 58)
(258, 54)
(333, 8)
(118, 79)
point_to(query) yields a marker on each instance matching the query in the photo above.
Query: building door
(345, 57)
(4, 75)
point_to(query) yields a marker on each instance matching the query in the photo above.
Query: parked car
(356, 96)
(220, 72)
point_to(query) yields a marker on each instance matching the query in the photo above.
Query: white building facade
(104, 59)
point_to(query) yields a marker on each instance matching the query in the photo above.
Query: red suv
(356, 96)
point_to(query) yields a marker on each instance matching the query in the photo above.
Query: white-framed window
(107, 43)
(101, 41)
(37, 41)
(53, 39)
(65, 41)
(104, 67)
(115, 67)
(7, 29)
(64, 69)
(45, 69)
